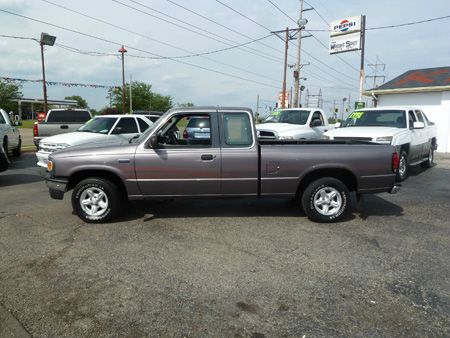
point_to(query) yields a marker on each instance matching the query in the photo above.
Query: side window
(2, 120)
(186, 130)
(237, 129)
(419, 116)
(142, 125)
(317, 116)
(412, 118)
(126, 125)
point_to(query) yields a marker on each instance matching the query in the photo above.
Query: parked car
(231, 163)
(60, 121)
(198, 128)
(102, 128)
(10, 138)
(406, 128)
(150, 114)
(294, 124)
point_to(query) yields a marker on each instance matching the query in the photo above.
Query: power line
(248, 49)
(18, 37)
(219, 24)
(409, 23)
(153, 39)
(131, 47)
(243, 15)
(279, 9)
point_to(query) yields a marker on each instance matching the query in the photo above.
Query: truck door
(415, 150)
(317, 124)
(187, 160)
(423, 135)
(239, 154)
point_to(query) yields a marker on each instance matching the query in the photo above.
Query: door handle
(207, 157)
(64, 126)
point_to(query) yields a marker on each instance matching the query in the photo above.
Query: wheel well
(405, 147)
(343, 175)
(433, 141)
(78, 176)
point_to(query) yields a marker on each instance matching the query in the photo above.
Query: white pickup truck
(294, 124)
(406, 128)
(10, 138)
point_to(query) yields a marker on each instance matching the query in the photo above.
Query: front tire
(429, 162)
(96, 200)
(17, 151)
(403, 169)
(326, 200)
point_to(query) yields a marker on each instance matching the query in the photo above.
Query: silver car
(198, 128)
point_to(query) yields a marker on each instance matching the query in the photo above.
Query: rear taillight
(35, 130)
(395, 162)
(185, 134)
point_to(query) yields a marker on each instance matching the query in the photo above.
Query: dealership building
(427, 89)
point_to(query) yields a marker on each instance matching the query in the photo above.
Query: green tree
(185, 105)
(142, 96)
(8, 92)
(81, 103)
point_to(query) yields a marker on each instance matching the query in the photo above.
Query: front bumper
(56, 187)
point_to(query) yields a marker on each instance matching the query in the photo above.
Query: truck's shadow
(247, 207)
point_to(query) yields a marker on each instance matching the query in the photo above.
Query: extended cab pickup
(220, 158)
(60, 121)
(294, 124)
(406, 128)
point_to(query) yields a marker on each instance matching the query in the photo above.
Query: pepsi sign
(346, 26)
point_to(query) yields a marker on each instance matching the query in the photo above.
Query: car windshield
(288, 116)
(376, 118)
(101, 125)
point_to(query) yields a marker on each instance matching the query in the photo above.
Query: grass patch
(27, 123)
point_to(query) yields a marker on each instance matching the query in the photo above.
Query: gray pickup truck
(60, 121)
(219, 156)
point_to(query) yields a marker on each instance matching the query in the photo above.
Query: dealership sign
(345, 43)
(345, 35)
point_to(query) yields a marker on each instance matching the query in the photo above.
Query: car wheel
(5, 147)
(96, 200)
(17, 151)
(429, 162)
(326, 200)
(402, 172)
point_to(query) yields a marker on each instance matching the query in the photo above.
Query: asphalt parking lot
(225, 268)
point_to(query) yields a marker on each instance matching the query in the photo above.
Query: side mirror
(153, 141)
(337, 125)
(316, 123)
(418, 125)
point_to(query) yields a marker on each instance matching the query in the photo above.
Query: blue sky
(401, 49)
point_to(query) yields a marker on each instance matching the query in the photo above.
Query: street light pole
(48, 40)
(122, 51)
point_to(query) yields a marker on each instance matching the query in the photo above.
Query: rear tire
(326, 200)
(96, 200)
(429, 162)
(17, 151)
(403, 170)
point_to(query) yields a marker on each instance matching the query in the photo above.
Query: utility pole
(286, 45)
(375, 76)
(257, 107)
(298, 65)
(123, 51)
(46, 40)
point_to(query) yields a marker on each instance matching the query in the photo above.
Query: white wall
(436, 106)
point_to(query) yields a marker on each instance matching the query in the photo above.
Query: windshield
(101, 125)
(288, 116)
(376, 118)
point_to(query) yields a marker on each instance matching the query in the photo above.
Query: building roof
(416, 80)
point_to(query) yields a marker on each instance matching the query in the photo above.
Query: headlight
(285, 137)
(384, 139)
(326, 137)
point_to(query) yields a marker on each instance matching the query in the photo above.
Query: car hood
(107, 147)
(75, 138)
(363, 132)
(280, 127)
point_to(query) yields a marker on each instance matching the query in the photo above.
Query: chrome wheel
(94, 202)
(402, 167)
(328, 201)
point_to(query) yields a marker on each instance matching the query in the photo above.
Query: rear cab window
(237, 130)
(68, 116)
